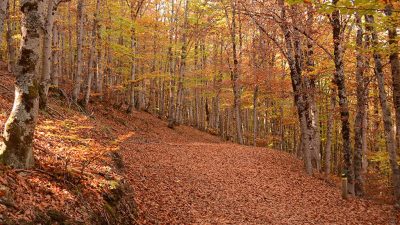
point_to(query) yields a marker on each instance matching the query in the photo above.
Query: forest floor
(107, 167)
(184, 176)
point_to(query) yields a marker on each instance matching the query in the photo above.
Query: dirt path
(187, 177)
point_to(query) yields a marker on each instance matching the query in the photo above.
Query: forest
(199, 112)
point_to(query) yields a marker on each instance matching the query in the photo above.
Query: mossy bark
(16, 147)
(3, 16)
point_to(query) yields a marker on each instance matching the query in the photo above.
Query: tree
(394, 63)
(171, 70)
(182, 65)
(359, 128)
(293, 54)
(338, 36)
(47, 56)
(390, 135)
(92, 54)
(79, 42)
(135, 9)
(234, 68)
(3, 16)
(16, 148)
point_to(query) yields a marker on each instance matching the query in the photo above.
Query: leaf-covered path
(184, 176)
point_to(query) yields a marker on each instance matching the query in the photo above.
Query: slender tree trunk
(3, 15)
(328, 146)
(235, 74)
(359, 129)
(182, 67)
(293, 55)
(100, 70)
(171, 107)
(386, 113)
(10, 42)
(255, 119)
(71, 52)
(337, 31)
(133, 68)
(79, 41)
(92, 54)
(56, 62)
(47, 54)
(162, 99)
(16, 147)
(394, 65)
(309, 81)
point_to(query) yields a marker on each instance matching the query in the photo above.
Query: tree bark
(182, 66)
(71, 52)
(79, 40)
(255, 120)
(10, 42)
(309, 81)
(359, 129)
(293, 56)
(92, 54)
(47, 56)
(3, 15)
(171, 107)
(394, 65)
(132, 101)
(235, 74)
(337, 32)
(386, 113)
(328, 146)
(16, 148)
(56, 62)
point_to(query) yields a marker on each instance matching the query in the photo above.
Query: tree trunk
(133, 69)
(293, 56)
(71, 52)
(47, 54)
(16, 148)
(328, 146)
(386, 113)
(56, 62)
(235, 74)
(394, 65)
(309, 81)
(359, 129)
(10, 43)
(3, 15)
(182, 67)
(79, 32)
(171, 107)
(92, 54)
(255, 120)
(337, 32)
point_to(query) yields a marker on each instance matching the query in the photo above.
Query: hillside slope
(77, 177)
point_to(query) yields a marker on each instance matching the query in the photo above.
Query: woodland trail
(183, 176)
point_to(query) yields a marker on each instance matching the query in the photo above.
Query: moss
(28, 6)
(57, 216)
(34, 90)
(26, 57)
(109, 209)
(17, 147)
(117, 159)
